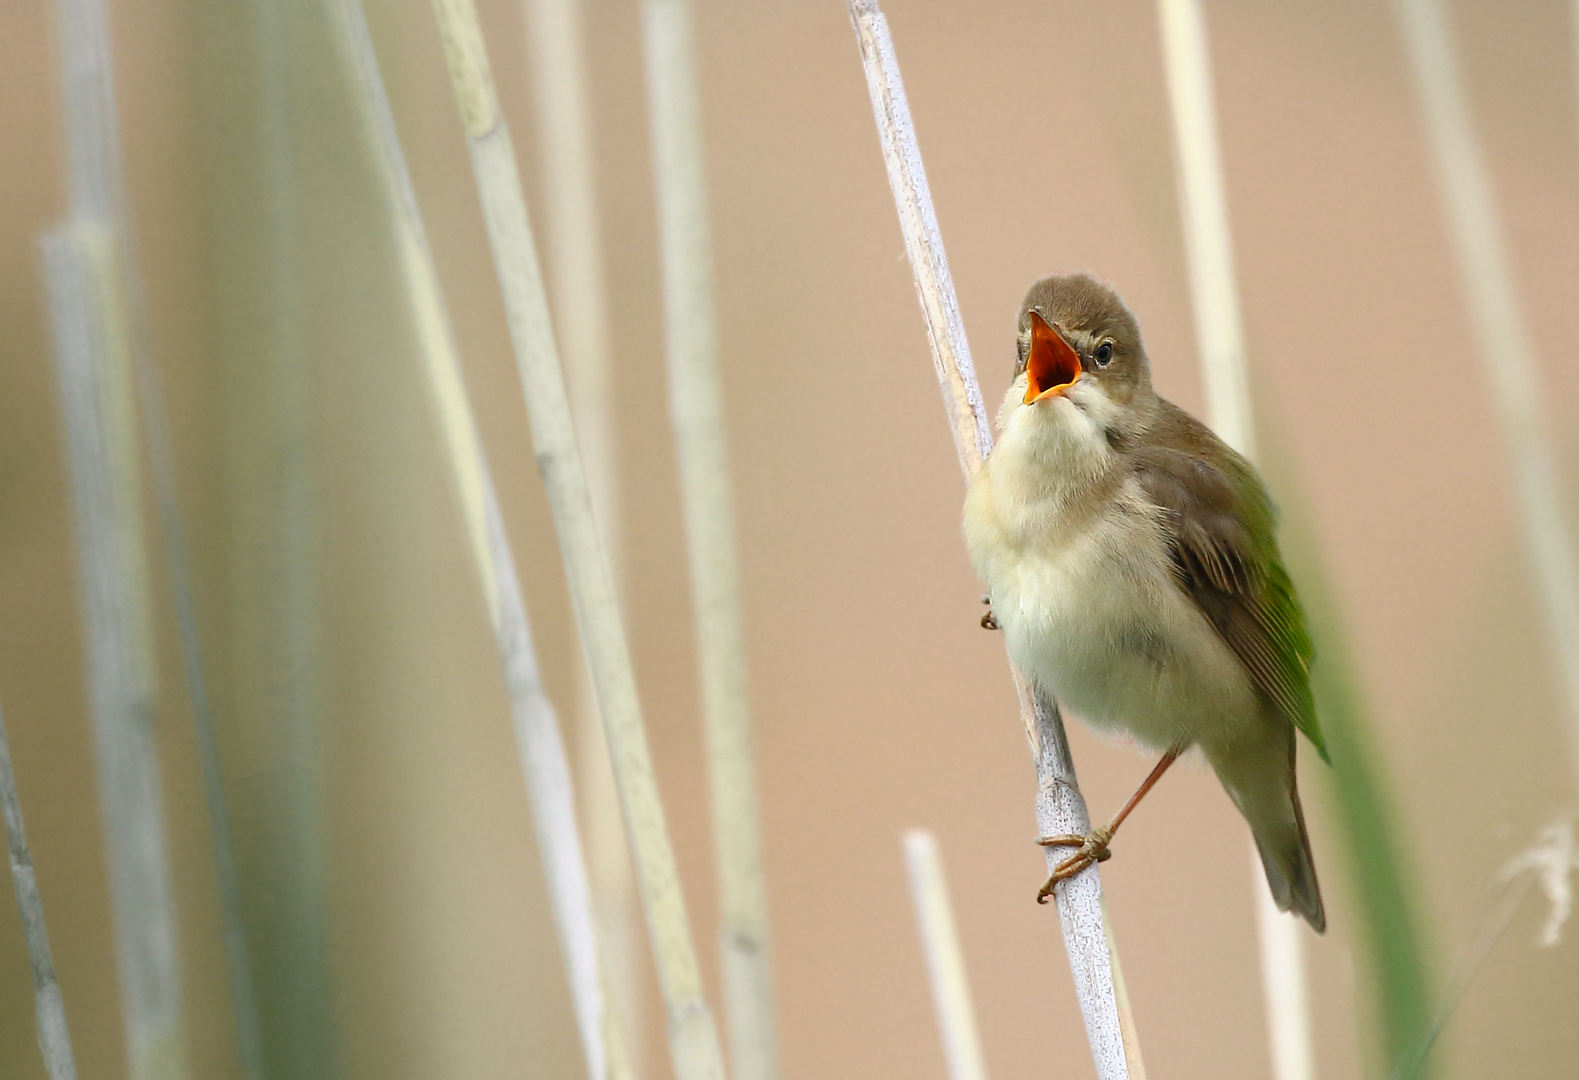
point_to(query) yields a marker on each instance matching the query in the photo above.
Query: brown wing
(1225, 556)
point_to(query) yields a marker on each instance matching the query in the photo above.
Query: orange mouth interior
(1052, 366)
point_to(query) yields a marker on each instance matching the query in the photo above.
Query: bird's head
(1082, 369)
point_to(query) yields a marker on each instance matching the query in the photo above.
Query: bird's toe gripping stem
(1091, 848)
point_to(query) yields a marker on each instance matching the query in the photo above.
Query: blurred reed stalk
(543, 758)
(693, 1037)
(93, 364)
(701, 444)
(92, 367)
(1501, 331)
(1219, 331)
(106, 367)
(1059, 805)
(54, 1041)
(568, 171)
(945, 958)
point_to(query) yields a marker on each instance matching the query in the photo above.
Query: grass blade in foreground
(1059, 806)
(693, 1039)
(1219, 333)
(537, 731)
(696, 405)
(1377, 858)
(1390, 936)
(54, 1042)
(945, 959)
(278, 717)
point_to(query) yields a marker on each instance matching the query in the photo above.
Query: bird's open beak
(1052, 367)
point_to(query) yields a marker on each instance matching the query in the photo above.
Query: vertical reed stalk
(577, 287)
(91, 357)
(693, 1038)
(1501, 332)
(945, 958)
(1219, 332)
(54, 1041)
(1284, 984)
(96, 249)
(543, 758)
(1059, 805)
(574, 243)
(697, 408)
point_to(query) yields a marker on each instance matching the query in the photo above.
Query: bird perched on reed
(1130, 560)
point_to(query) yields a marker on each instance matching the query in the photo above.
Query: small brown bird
(1130, 559)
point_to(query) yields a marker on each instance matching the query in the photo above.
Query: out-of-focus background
(393, 895)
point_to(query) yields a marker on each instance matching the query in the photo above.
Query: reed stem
(577, 287)
(1059, 805)
(697, 407)
(54, 1041)
(945, 958)
(1500, 329)
(1220, 341)
(100, 326)
(92, 367)
(693, 1038)
(543, 759)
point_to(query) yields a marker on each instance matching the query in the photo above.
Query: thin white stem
(693, 1037)
(1503, 904)
(573, 243)
(1220, 341)
(945, 958)
(541, 746)
(1549, 863)
(1203, 207)
(1283, 982)
(696, 405)
(54, 1041)
(568, 171)
(1501, 331)
(1059, 806)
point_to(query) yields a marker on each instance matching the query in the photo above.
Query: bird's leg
(1093, 847)
(987, 620)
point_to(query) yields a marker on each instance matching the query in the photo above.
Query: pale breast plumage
(1080, 581)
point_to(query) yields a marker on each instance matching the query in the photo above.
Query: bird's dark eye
(1104, 354)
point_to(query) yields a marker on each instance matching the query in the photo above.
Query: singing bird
(1130, 560)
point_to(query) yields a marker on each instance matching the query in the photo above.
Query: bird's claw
(988, 622)
(1091, 848)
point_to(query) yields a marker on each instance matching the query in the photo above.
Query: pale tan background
(879, 703)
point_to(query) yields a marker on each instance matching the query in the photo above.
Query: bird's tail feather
(1260, 778)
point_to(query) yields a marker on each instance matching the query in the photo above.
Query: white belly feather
(1085, 596)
